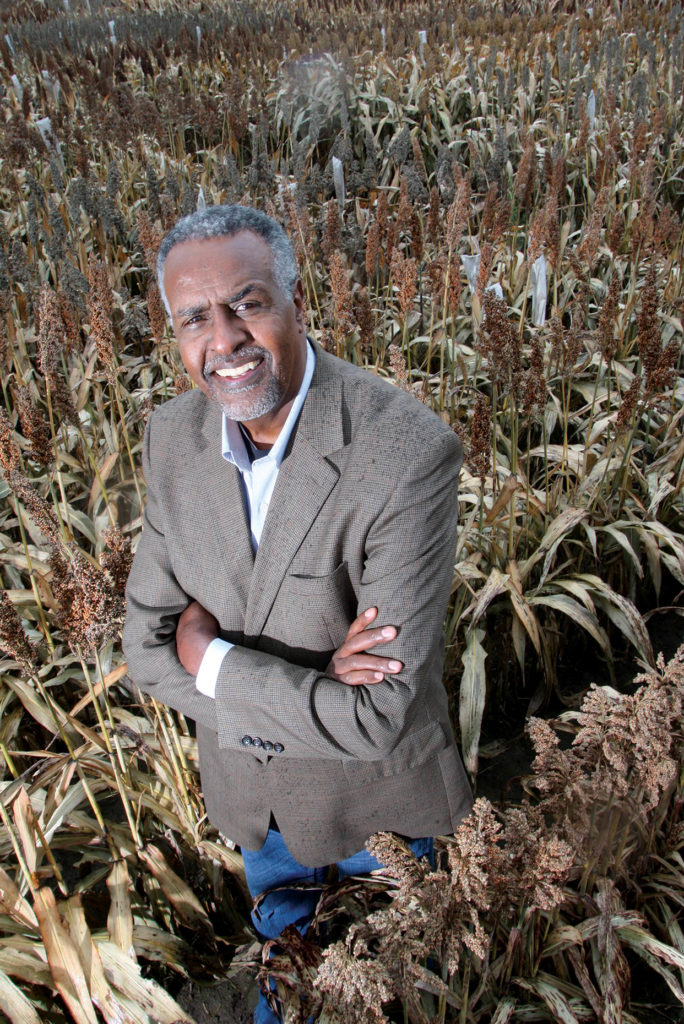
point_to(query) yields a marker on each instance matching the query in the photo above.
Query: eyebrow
(190, 311)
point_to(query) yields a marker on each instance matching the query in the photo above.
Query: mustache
(245, 355)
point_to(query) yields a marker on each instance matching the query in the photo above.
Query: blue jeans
(273, 866)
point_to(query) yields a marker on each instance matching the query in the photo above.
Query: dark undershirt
(253, 453)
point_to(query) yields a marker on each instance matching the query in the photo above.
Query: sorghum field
(486, 201)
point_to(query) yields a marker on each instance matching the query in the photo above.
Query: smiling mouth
(237, 372)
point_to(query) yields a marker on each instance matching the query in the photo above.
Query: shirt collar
(233, 446)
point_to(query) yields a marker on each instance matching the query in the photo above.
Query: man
(301, 513)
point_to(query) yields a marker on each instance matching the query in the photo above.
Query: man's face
(242, 341)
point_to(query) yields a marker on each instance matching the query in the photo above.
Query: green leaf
(504, 1010)
(82, 523)
(561, 526)
(496, 584)
(620, 538)
(575, 611)
(641, 940)
(551, 995)
(622, 613)
(472, 697)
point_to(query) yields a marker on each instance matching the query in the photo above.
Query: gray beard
(245, 407)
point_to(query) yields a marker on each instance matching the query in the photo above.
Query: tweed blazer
(363, 513)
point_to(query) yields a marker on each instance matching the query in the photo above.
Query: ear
(298, 300)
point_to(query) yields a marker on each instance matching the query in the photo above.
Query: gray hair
(223, 222)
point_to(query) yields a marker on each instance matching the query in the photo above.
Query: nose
(229, 331)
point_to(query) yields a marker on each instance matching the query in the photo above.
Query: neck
(263, 432)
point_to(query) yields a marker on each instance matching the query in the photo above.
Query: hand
(350, 665)
(195, 630)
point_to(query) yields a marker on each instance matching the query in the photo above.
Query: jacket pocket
(327, 602)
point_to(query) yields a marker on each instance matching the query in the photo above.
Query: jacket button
(246, 741)
(257, 742)
(278, 747)
(268, 745)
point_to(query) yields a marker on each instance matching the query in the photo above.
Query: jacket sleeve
(407, 574)
(154, 602)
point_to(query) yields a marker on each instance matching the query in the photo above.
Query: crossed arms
(405, 575)
(349, 664)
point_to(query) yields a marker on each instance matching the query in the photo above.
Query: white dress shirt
(258, 472)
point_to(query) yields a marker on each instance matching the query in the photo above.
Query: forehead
(218, 263)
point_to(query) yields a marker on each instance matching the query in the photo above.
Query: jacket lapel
(305, 480)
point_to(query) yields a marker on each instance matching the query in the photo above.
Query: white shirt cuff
(211, 665)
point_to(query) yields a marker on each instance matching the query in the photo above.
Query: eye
(193, 320)
(246, 306)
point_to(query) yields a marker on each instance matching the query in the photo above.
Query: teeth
(239, 370)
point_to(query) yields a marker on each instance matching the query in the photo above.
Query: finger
(361, 622)
(366, 663)
(370, 663)
(366, 639)
(361, 678)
